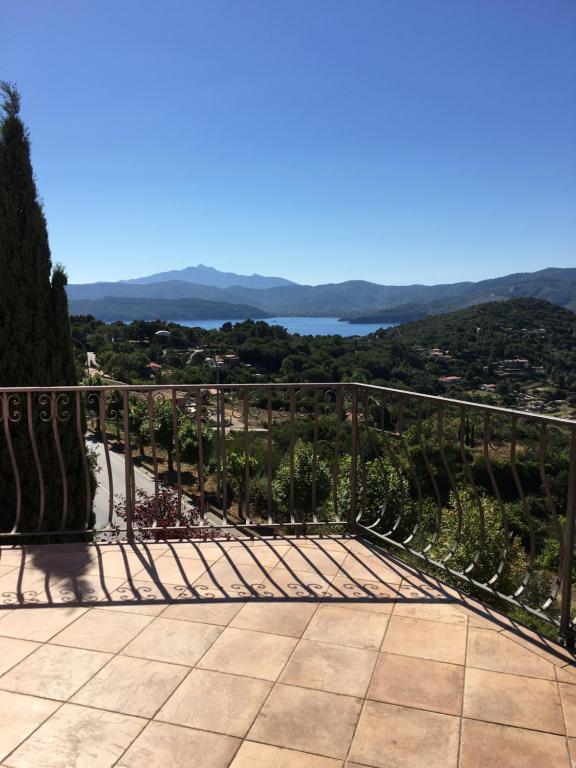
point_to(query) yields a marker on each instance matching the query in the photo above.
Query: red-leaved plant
(160, 512)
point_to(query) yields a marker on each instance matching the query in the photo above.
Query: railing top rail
(536, 417)
(557, 420)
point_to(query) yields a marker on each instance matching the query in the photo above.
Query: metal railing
(485, 494)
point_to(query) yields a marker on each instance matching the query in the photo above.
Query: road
(102, 499)
(143, 480)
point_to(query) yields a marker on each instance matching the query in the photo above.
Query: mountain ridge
(204, 275)
(352, 300)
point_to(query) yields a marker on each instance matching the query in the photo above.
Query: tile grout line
(462, 699)
(275, 683)
(364, 698)
(180, 684)
(562, 709)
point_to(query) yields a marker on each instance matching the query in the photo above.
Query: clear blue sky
(397, 141)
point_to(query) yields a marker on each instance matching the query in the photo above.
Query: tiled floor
(288, 653)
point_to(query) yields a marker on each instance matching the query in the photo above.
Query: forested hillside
(520, 352)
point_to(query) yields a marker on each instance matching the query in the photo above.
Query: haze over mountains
(203, 292)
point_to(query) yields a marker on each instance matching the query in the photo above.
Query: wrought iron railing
(484, 494)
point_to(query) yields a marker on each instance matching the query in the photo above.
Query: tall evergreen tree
(45, 489)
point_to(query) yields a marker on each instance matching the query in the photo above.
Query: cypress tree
(35, 350)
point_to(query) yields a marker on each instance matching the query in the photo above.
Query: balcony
(328, 575)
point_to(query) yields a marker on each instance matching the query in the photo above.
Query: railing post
(566, 629)
(354, 460)
(128, 467)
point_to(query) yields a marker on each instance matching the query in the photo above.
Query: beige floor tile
(252, 754)
(566, 674)
(362, 594)
(53, 671)
(512, 700)
(259, 555)
(297, 718)
(243, 581)
(61, 558)
(338, 625)
(101, 630)
(279, 618)
(19, 716)
(162, 745)
(490, 650)
(568, 698)
(327, 543)
(414, 604)
(77, 736)
(147, 597)
(84, 588)
(486, 745)
(333, 668)
(203, 613)
(418, 683)
(131, 686)
(13, 556)
(571, 752)
(213, 701)
(298, 584)
(170, 640)
(38, 624)
(371, 569)
(13, 650)
(426, 640)
(541, 646)
(253, 654)
(29, 586)
(206, 551)
(118, 562)
(389, 735)
(172, 570)
(313, 560)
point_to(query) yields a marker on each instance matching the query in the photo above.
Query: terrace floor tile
(419, 683)
(176, 642)
(252, 754)
(433, 640)
(332, 668)
(389, 735)
(13, 650)
(297, 718)
(276, 617)
(215, 701)
(77, 736)
(20, 716)
(252, 654)
(100, 630)
(39, 624)
(487, 745)
(132, 686)
(203, 613)
(524, 702)
(492, 651)
(335, 624)
(161, 745)
(53, 671)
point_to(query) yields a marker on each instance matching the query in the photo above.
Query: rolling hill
(128, 309)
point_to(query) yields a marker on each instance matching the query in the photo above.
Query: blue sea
(306, 326)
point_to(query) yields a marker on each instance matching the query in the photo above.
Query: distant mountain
(554, 285)
(128, 309)
(354, 300)
(203, 275)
